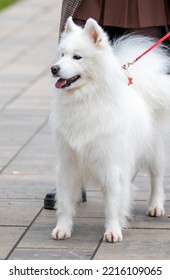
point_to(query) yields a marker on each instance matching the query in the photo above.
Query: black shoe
(50, 199)
(83, 196)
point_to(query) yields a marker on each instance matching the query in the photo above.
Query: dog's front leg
(68, 193)
(112, 193)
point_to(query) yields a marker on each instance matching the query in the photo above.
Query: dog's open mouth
(63, 83)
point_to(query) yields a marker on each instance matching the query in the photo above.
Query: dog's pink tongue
(60, 83)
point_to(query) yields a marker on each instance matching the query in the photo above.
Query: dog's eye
(77, 57)
(62, 54)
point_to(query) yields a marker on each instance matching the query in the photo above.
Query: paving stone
(142, 187)
(37, 158)
(9, 237)
(94, 208)
(141, 220)
(7, 94)
(16, 133)
(138, 244)
(18, 16)
(86, 234)
(18, 212)
(50, 254)
(29, 186)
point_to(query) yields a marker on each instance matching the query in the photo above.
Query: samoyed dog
(106, 125)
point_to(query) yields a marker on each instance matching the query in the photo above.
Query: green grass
(6, 3)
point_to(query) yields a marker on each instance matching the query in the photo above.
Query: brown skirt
(125, 13)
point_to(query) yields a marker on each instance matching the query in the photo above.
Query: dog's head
(79, 54)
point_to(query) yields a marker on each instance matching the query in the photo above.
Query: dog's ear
(94, 31)
(70, 25)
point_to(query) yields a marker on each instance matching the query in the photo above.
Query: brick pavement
(28, 41)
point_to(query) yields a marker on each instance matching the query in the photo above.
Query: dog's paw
(156, 211)
(61, 233)
(112, 236)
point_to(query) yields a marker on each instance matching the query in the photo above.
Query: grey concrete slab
(143, 182)
(143, 244)
(20, 186)
(10, 151)
(41, 88)
(141, 220)
(6, 95)
(50, 254)
(86, 234)
(32, 101)
(28, 63)
(17, 16)
(9, 237)
(18, 212)
(37, 158)
(30, 33)
(94, 208)
(142, 187)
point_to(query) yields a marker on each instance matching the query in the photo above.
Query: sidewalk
(28, 40)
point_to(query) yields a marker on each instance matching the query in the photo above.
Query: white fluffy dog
(104, 127)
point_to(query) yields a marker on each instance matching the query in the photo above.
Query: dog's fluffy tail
(151, 73)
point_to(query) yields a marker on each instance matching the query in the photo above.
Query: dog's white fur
(104, 128)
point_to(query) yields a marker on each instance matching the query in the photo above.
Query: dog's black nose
(55, 69)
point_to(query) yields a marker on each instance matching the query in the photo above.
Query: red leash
(128, 64)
